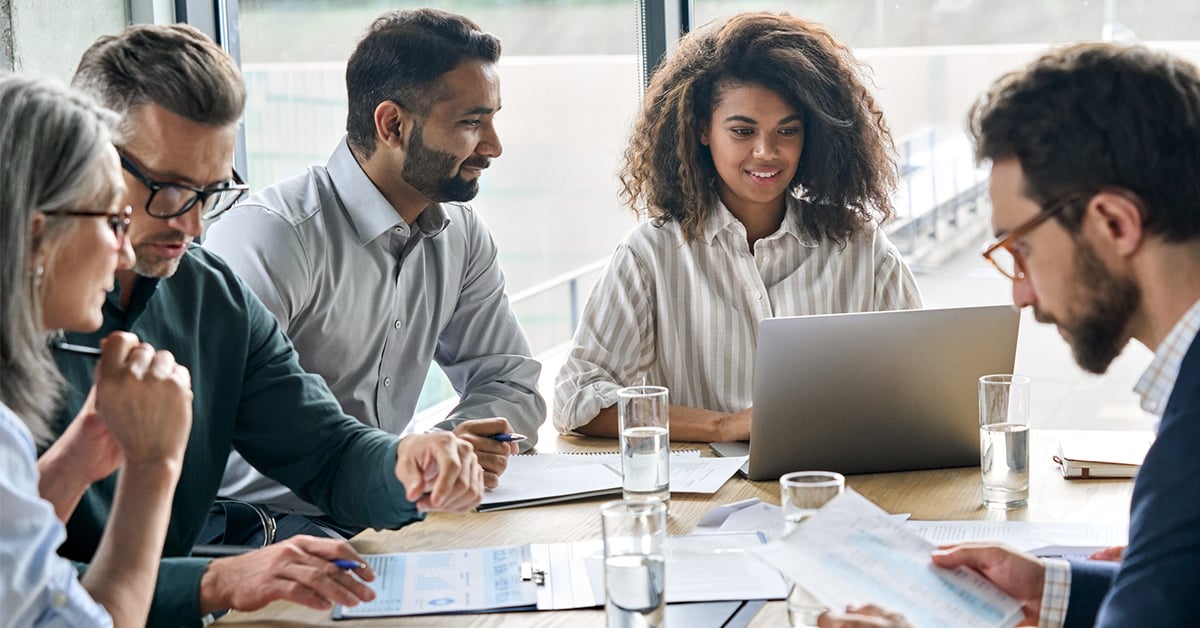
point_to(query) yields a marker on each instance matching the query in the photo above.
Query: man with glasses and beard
(179, 97)
(375, 266)
(1096, 209)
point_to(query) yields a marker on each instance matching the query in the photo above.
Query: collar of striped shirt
(1156, 383)
(721, 220)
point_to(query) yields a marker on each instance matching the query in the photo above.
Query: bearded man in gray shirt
(373, 263)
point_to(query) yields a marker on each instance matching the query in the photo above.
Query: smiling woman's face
(756, 140)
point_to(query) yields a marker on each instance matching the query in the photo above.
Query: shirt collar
(721, 220)
(368, 211)
(1158, 381)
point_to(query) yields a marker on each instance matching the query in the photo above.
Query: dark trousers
(238, 523)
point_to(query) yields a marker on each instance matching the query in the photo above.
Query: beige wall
(46, 37)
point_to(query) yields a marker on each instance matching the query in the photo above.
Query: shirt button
(758, 296)
(60, 599)
(396, 324)
(398, 229)
(387, 381)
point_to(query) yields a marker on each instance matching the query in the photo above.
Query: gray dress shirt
(370, 301)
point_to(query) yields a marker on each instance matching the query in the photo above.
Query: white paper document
(1027, 536)
(701, 475)
(852, 552)
(750, 515)
(546, 478)
(709, 568)
(454, 581)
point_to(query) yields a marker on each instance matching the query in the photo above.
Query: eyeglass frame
(201, 194)
(118, 222)
(1005, 241)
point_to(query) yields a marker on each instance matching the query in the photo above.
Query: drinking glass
(1004, 440)
(634, 563)
(645, 444)
(801, 494)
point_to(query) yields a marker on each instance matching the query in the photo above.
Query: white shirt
(685, 314)
(37, 586)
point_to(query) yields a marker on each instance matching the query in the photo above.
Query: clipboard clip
(531, 573)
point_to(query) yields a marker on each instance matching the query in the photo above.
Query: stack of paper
(549, 478)
(1103, 454)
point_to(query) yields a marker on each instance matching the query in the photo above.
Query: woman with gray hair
(62, 235)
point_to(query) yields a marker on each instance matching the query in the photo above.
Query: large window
(929, 60)
(570, 81)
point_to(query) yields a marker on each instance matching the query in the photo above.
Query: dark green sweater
(250, 393)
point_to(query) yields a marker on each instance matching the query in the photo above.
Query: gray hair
(174, 66)
(54, 141)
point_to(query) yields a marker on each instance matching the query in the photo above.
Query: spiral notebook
(537, 479)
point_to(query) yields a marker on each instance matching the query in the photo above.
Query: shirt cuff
(1056, 593)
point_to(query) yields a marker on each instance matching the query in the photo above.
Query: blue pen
(507, 438)
(347, 564)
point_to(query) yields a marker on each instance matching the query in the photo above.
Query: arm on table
(687, 424)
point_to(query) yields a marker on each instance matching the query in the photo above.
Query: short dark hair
(1101, 115)
(401, 57)
(846, 166)
(174, 66)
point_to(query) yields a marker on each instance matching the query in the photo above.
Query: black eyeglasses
(1002, 252)
(118, 222)
(168, 200)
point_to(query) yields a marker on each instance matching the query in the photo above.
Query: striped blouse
(685, 315)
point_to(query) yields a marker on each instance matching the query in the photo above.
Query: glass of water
(1004, 440)
(634, 563)
(801, 494)
(645, 444)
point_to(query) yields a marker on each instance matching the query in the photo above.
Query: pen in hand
(347, 564)
(507, 438)
(77, 349)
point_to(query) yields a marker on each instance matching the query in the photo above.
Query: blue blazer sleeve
(1158, 583)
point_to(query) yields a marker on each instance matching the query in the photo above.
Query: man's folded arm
(292, 429)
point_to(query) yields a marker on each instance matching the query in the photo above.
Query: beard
(426, 169)
(148, 263)
(1099, 333)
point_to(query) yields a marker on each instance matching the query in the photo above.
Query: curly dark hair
(1101, 115)
(846, 168)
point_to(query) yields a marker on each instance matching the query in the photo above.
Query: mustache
(170, 237)
(1043, 317)
(477, 162)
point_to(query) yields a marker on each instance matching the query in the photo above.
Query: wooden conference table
(941, 494)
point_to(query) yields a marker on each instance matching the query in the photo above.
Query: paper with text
(1026, 536)
(852, 552)
(422, 583)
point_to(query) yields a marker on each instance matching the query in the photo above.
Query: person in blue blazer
(1096, 210)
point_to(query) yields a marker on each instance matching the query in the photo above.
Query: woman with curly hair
(765, 167)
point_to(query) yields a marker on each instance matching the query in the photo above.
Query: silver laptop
(873, 392)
